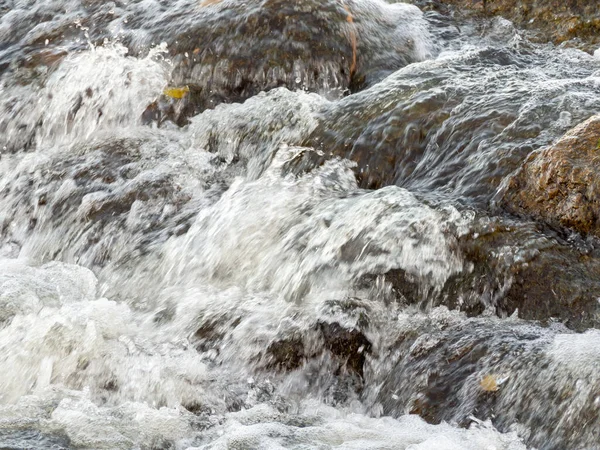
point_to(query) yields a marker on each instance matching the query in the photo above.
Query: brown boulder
(560, 184)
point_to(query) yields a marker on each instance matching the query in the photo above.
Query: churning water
(226, 283)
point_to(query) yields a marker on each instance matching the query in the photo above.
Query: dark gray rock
(228, 51)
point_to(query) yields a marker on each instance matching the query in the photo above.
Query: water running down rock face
(272, 224)
(573, 23)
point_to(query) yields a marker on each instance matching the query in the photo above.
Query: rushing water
(226, 283)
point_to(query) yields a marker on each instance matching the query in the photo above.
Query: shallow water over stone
(271, 224)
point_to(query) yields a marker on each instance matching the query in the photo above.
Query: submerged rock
(350, 345)
(228, 51)
(337, 342)
(104, 192)
(287, 354)
(560, 184)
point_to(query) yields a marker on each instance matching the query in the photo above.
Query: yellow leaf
(176, 93)
(489, 383)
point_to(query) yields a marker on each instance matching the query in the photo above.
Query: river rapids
(271, 224)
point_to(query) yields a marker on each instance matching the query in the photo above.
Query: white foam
(288, 235)
(67, 337)
(95, 89)
(579, 351)
(319, 426)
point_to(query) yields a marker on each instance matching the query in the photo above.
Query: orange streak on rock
(350, 20)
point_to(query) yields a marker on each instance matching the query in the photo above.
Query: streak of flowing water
(237, 282)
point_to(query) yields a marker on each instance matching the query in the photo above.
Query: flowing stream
(283, 267)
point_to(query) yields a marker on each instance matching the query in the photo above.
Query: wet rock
(287, 354)
(504, 371)
(456, 358)
(35, 64)
(207, 336)
(559, 184)
(162, 444)
(436, 127)
(274, 39)
(557, 285)
(230, 51)
(347, 346)
(211, 332)
(387, 135)
(90, 193)
(552, 20)
(513, 266)
(32, 438)
(522, 267)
